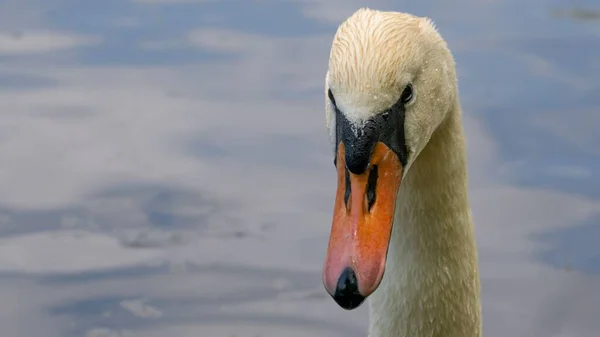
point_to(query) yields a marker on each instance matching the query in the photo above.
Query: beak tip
(347, 294)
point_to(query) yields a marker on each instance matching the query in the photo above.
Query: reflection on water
(166, 169)
(578, 14)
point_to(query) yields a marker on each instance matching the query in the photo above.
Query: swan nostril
(371, 187)
(348, 188)
(346, 294)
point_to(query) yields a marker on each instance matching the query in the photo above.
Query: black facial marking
(330, 95)
(359, 147)
(348, 189)
(386, 127)
(372, 186)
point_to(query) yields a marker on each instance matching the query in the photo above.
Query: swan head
(391, 82)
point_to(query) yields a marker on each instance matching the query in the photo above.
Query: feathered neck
(431, 284)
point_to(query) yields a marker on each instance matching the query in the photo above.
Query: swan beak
(362, 226)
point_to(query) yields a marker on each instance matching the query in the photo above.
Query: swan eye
(407, 94)
(330, 95)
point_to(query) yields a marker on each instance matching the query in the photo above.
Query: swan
(394, 119)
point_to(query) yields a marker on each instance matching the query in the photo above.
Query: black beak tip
(346, 294)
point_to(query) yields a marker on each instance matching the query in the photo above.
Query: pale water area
(166, 169)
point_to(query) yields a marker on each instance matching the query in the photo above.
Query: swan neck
(431, 283)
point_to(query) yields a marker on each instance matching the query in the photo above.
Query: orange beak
(362, 226)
